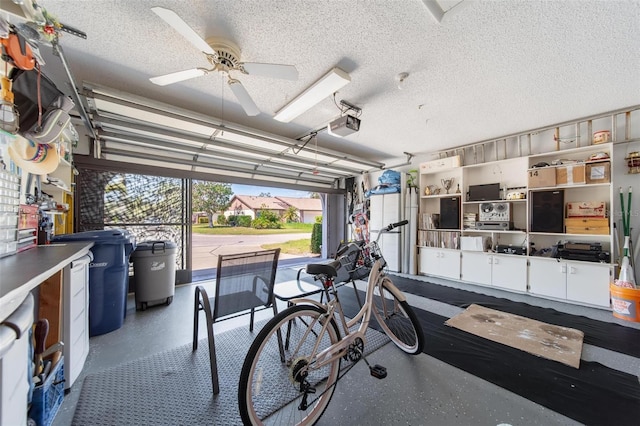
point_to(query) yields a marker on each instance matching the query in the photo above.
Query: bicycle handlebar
(396, 225)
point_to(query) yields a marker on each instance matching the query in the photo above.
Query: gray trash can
(154, 269)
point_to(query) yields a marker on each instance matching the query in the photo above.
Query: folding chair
(244, 284)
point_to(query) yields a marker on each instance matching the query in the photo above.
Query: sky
(257, 190)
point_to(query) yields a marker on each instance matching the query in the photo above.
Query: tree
(291, 215)
(211, 198)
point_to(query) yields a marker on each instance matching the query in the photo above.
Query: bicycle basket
(353, 265)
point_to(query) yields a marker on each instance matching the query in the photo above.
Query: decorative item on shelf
(598, 156)
(516, 195)
(458, 190)
(633, 162)
(431, 190)
(601, 136)
(447, 183)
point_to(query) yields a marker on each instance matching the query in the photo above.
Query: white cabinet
(76, 318)
(582, 282)
(588, 283)
(476, 267)
(14, 364)
(439, 262)
(509, 272)
(385, 209)
(504, 271)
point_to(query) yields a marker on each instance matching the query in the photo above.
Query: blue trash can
(108, 276)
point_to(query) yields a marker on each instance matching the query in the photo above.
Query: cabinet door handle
(489, 260)
(563, 269)
(495, 260)
(572, 270)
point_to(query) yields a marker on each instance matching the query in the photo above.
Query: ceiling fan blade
(243, 97)
(171, 18)
(286, 72)
(175, 77)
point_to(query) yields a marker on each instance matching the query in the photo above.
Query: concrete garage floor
(419, 390)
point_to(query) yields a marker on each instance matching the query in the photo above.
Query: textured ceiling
(490, 68)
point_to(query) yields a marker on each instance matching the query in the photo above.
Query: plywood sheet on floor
(549, 341)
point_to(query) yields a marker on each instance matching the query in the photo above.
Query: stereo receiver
(494, 226)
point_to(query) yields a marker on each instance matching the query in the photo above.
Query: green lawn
(287, 228)
(302, 247)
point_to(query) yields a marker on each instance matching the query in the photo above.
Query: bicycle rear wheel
(397, 318)
(269, 391)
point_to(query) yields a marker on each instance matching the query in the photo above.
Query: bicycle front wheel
(280, 366)
(397, 318)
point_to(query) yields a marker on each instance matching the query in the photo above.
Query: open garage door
(135, 130)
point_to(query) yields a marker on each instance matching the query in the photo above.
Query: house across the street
(249, 205)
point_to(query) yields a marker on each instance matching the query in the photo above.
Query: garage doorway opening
(154, 206)
(233, 218)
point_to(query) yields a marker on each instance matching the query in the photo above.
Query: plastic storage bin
(48, 396)
(108, 276)
(154, 269)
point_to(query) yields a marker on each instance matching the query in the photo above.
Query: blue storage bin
(48, 396)
(108, 276)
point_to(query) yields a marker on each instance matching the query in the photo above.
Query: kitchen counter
(22, 272)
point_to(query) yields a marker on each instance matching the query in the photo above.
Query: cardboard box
(585, 222)
(593, 209)
(598, 172)
(585, 225)
(542, 177)
(587, 230)
(440, 164)
(571, 174)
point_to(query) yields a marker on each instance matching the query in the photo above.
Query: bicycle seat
(328, 269)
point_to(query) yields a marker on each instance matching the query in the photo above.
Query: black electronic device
(547, 211)
(589, 246)
(506, 249)
(494, 226)
(449, 213)
(585, 251)
(488, 192)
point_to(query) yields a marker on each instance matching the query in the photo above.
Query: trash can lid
(104, 236)
(156, 245)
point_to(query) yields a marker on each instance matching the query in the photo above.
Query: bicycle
(294, 361)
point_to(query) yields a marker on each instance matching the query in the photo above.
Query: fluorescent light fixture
(321, 89)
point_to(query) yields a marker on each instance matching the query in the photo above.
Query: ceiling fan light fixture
(328, 84)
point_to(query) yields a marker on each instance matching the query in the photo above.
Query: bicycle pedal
(378, 371)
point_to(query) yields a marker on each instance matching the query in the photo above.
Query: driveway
(206, 248)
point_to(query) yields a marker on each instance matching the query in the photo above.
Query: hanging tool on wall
(626, 277)
(40, 333)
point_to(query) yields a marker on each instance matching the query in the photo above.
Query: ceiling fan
(224, 57)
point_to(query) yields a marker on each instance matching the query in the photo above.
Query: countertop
(22, 272)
